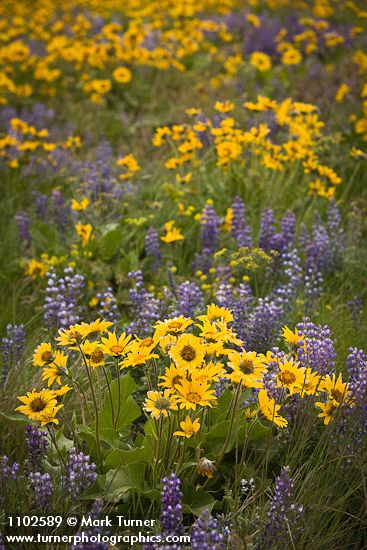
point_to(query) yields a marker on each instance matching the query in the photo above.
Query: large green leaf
(129, 410)
(196, 501)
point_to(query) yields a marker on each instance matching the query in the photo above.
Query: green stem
(110, 394)
(94, 401)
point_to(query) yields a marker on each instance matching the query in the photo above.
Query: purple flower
(61, 307)
(206, 533)
(42, 205)
(264, 324)
(240, 229)
(62, 213)
(145, 310)
(80, 473)
(288, 225)
(319, 354)
(36, 447)
(267, 229)
(42, 487)
(8, 471)
(152, 248)
(190, 299)
(107, 308)
(12, 346)
(22, 220)
(94, 531)
(171, 516)
(283, 513)
(210, 226)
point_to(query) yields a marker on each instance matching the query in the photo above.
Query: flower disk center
(287, 377)
(188, 353)
(163, 404)
(37, 405)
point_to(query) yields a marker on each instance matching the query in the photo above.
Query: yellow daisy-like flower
(328, 410)
(122, 75)
(291, 56)
(216, 313)
(166, 342)
(189, 428)
(49, 416)
(52, 373)
(193, 393)
(173, 327)
(137, 355)
(115, 346)
(292, 338)
(188, 351)
(290, 376)
(160, 403)
(173, 234)
(247, 367)
(336, 389)
(311, 383)
(99, 325)
(208, 373)
(85, 231)
(73, 336)
(78, 206)
(269, 409)
(35, 403)
(172, 377)
(42, 355)
(62, 391)
(261, 61)
(93, 352)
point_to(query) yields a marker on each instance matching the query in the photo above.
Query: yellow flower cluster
(301, 135)
(24, 142)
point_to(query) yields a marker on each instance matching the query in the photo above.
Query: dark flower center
(37, 404)
(188, 353)
(287, 377)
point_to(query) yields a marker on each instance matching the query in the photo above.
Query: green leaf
(111, 242)
(129, 410)
(19, 418)
(196, 501)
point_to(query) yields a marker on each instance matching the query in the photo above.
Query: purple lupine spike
(62, 213)
(42, 487)
(319, 352)
(313, 282)
(8, 471)
(94, 531)
(171, 516)
(285, 293)
(336, 233)
(355, 306)
(80, 473)
(152, 247)
(12, 347)
(267, 229)
(210, 226)
(190, 299)
(288, 225)
(22, 220)
(37, 444)
(319, 255)
(206, 533)
(107, 307)
(240, 229)
(283, 513)
(356, 363)
(145, 310)
(264, 324)
(63, 295)
(42, 205)
(240, 302)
